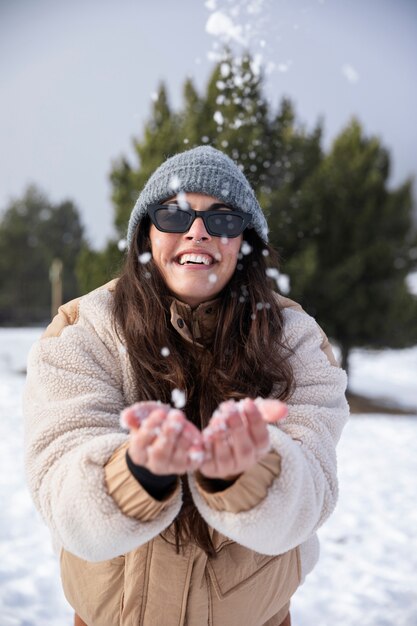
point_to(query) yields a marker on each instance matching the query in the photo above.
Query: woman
(205, 512)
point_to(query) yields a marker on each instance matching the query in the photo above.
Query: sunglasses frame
(152, 209)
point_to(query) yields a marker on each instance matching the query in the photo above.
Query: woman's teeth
(202, 259)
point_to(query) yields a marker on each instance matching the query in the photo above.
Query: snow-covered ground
(367, 573)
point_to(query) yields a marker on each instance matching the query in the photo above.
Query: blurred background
(316, 100)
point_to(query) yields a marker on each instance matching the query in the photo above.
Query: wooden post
(55, 276)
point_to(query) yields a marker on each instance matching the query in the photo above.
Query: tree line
(346, 240)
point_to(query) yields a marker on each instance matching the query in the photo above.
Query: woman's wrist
(219, 484)
(158, 486)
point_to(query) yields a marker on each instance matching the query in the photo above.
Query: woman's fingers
(256, 426)
(165, 442)
(238, 435)
(144, 436)
(185, 457)
(243, 446)
(170, 453)
(162, 449)
(132, 417)
(272, 410)
(162, 439)
(220, 462)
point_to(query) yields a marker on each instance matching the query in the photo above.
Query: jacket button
(180, 322)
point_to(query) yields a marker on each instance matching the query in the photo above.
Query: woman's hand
(165, 442)
(161, 438)
(237, 436)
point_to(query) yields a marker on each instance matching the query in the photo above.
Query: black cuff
(157, 486)
(217, 484)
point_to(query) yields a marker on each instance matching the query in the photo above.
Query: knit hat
(200, 170)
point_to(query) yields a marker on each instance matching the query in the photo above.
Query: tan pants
(79, 622)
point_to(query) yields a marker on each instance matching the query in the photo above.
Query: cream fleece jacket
(77, 384)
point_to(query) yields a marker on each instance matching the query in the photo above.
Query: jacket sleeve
(304, 492)
(72, 401)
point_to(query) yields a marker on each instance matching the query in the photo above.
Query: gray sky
(76, 79)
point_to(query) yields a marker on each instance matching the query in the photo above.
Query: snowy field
(367, 573)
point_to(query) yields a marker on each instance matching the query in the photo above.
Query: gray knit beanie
(200, 170)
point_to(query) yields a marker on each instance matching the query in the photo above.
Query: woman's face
(194, 283)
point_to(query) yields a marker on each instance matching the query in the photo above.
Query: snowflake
(178, 398)
(145, 257)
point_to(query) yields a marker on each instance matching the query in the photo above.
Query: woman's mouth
(195, 259)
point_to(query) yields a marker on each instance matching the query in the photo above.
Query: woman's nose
(197, 230)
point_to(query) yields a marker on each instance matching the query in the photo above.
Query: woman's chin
(194, 297)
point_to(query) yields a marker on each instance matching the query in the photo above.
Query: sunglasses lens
(169, 218)
(172, 219)
(226, 225)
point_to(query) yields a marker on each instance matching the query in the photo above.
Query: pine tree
(351, 270)
(34, 231)
(97, 267)
(161, 139)
(346, 240)
(292, 155)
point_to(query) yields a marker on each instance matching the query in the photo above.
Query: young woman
(201, 505)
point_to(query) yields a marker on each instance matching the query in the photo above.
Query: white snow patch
(388, 375)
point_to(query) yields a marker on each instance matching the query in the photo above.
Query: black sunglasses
(170, 218)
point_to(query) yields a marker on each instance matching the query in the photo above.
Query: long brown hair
(245, 357)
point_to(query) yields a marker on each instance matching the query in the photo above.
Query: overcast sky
(77, 78)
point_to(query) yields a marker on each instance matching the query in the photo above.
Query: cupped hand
(237, 436)
(162, 439)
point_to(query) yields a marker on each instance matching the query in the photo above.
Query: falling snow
(245, 248)
(218, 118)
(178, 398)
(221, 25)
(145, 257)
(282, 280)
(175, 183)
(350, 73)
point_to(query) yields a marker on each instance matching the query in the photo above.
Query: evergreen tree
(233, 116)
(192, 119)
(346, 240)
(350, 271)
(97, 267)
(161, 139)
(33, 232)
(292, 155)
